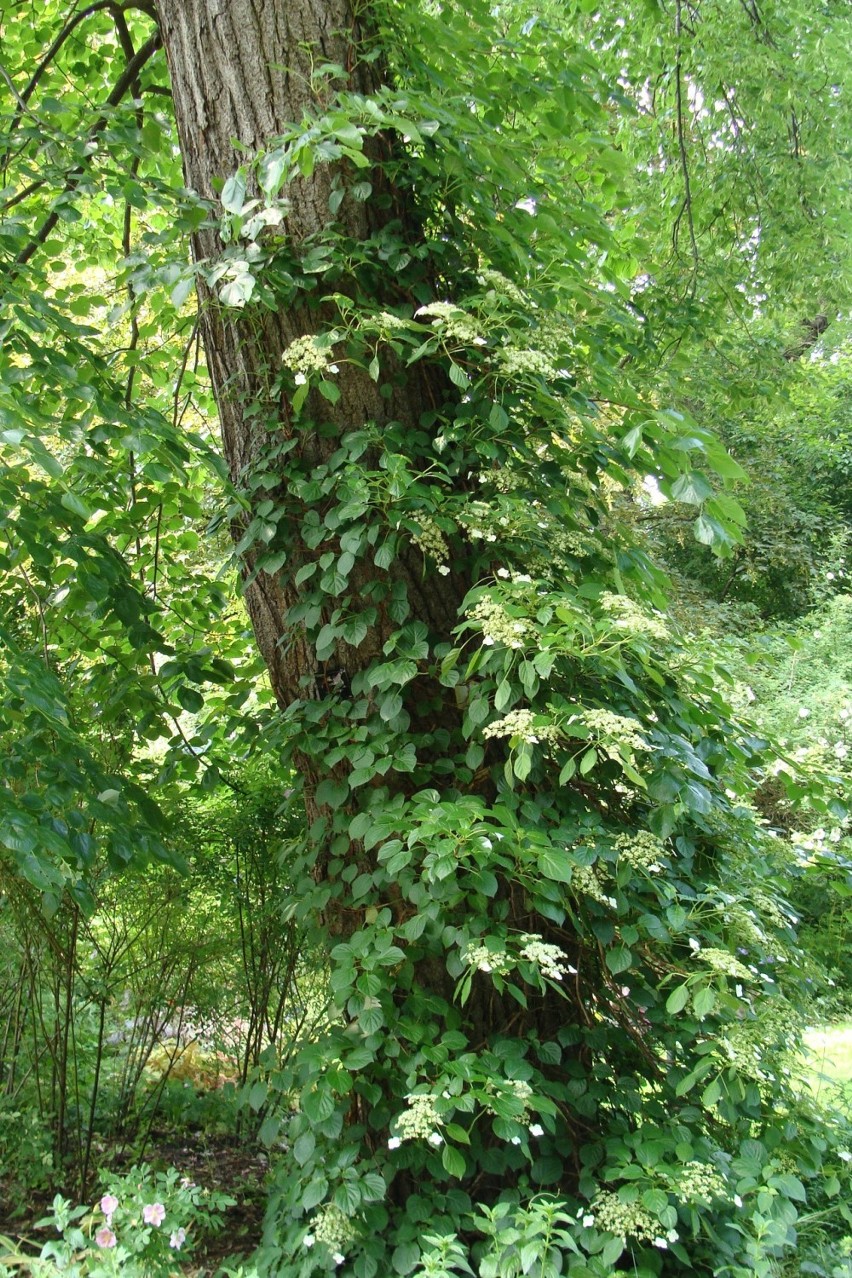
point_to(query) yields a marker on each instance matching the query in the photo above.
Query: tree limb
(124, 82)
(812, 331)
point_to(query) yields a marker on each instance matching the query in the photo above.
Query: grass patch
(829, 1065)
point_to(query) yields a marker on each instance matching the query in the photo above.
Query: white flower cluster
(477, 518)
(699, 1183)
(387, 320)
(479, 956)
(431, 540)
(497, 626)
(303, 357)
(517, 363)
(629, 1220)
(502, 286)
(332, 1227)
(584, 878)
(642, 849)
(770, 908)
(453, 322)
(722, 961)
(548, 958)
(744, 927)
(520, 578)
(519, 723)
(612, 729)
(418, 1122)
(518, 1089)
(745, 1042)
(633, 620)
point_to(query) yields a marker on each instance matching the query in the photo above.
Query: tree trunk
(241, 73)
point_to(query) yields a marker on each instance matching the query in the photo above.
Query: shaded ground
(219, 1165)
(233, 1170)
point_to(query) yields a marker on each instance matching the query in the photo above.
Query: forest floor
(227, 1168)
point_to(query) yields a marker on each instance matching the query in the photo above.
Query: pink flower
(154, 1214)
(105, 1237)
(177, 1239)
(108, 1204)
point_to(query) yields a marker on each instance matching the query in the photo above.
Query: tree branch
(124, 82)
(812, 331)
(686, 207)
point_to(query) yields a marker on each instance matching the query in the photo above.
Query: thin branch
(116, 11)
(124, 82)
(126, 240)
(684, 159)
(813, 330)
(22, 195)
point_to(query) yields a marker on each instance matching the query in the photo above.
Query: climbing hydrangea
(517, 363)
(502, 287)
(304, 356)
(332, 1227)
(485, 960)
(497, 626)
(387, 320)
(431, 540)
(521, 724)
(628, 1220)
(477, 519)
(548, 958)
(419, 1122)
(642, 849)
(584, 879)
(453, 322)
(628, 617)
(699, 1183)
(614, 730)
(517, 1088)
(723, 961)
(746, 1042)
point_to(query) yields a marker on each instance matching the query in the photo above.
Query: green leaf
(347, 1196)
(269, 1130)
(522, 762)
(71, 502)
(315, 1192)
(711, 1093)
(190, 698)
(704, 1001)
(790, 1185)
(453, 1161)
(498, 418)
(677, 1000)
(329, 391)
(692, 488)
(554, 864)
(332, 793)
(304, 1147)
(318, 1104)
(619, 959)
(371, 1019)
(373, 1187)
(405, 1257)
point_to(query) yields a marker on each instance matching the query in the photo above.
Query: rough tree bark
(241, 72)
